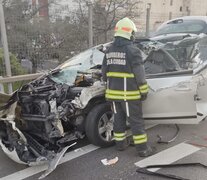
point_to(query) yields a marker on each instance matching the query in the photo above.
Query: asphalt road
(85, 162)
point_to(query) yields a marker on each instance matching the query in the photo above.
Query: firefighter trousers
(131, 111)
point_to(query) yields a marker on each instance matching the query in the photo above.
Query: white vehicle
(45, 117)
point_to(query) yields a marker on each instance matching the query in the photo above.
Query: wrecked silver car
(45, 117)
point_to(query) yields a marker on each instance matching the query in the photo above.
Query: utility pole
(90, 24)
(5, 46)
(148, 19)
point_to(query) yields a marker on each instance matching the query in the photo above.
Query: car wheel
(99, 125)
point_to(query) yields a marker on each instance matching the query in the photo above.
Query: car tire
(99, 125)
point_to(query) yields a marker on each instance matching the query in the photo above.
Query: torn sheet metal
(88, 93)
(146, 170)
(54, 162)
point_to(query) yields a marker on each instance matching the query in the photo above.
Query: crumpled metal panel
(88, 93)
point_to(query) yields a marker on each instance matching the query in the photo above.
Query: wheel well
(93, 102)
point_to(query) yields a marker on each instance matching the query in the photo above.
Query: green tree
(15, 68)
(37, 39)
(15, 65)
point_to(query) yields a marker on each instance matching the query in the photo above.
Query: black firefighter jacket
(123, 71)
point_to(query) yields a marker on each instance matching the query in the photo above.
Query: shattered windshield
(186, 54)
(81, 62)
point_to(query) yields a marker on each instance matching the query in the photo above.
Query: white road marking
(149, 126)
(30, 171)
(168, 156)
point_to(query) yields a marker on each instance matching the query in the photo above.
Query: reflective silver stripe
(127, 109)
(114, 106)
(125, 87)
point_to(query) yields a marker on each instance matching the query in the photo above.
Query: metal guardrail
(19, 78)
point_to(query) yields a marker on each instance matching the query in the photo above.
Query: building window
(181, 8)
(171, 2)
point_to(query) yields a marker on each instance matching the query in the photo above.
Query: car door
(171, 99)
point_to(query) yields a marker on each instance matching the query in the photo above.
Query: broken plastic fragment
(54, 162)
(110, 162)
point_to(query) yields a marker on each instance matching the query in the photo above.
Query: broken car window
(175, 56)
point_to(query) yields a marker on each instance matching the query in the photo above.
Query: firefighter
(126, 87)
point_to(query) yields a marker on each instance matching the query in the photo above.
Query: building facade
(160, 10)
(163, 10)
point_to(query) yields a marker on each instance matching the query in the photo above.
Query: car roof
(203, 18)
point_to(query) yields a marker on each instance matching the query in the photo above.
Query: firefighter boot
(122, 145)
(148, 151)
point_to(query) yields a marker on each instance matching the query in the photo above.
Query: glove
(143, 97)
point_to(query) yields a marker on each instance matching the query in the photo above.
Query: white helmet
(124, 28)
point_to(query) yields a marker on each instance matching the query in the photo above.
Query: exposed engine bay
(45, 118)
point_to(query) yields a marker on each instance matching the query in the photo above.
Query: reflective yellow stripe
(108, 96)
(144, 88)
(137, 137)
(120, 75)
(119, 134)
(144, 91)
(140, 141)
(119, 92)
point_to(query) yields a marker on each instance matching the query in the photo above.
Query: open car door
(171, 99)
